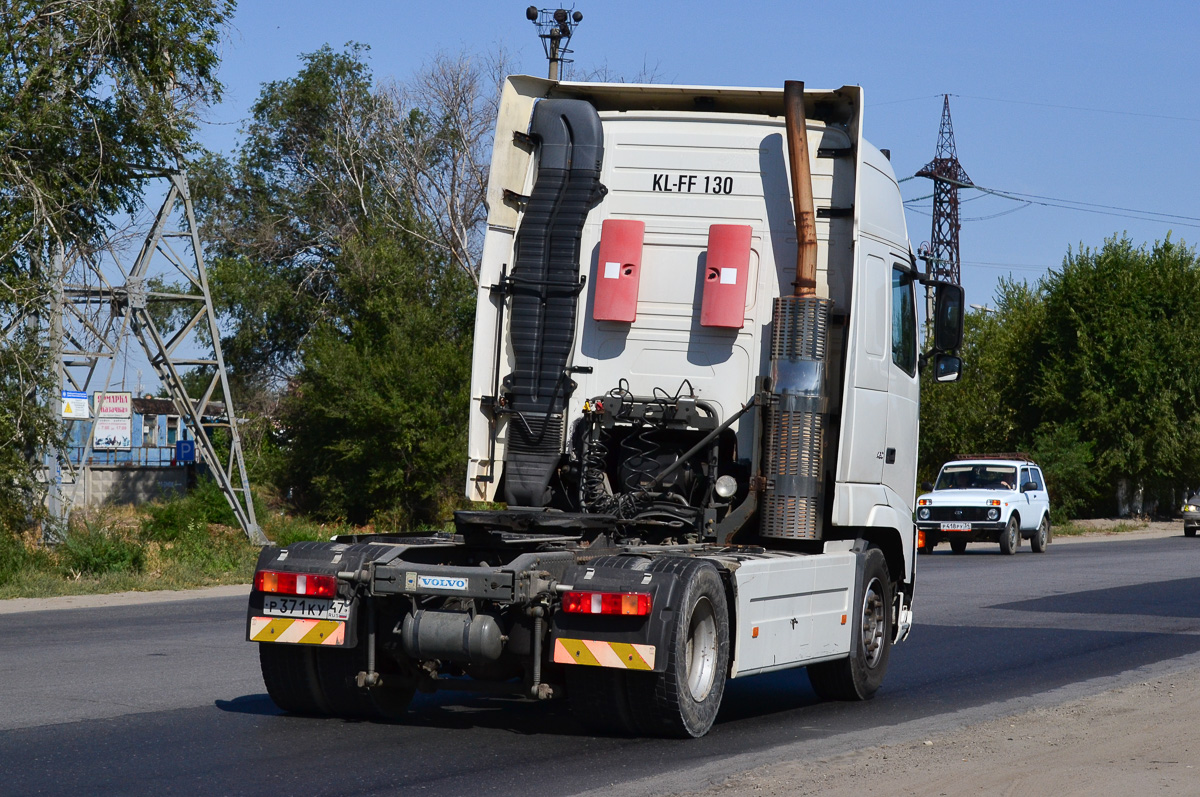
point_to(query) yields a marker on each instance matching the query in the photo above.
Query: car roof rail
(1012, 455)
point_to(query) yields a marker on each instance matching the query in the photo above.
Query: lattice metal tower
(163, 299)
(941, 252)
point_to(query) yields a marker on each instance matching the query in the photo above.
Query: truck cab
(694, 397)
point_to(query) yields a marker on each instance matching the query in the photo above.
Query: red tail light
(635, 603)
(295, 584)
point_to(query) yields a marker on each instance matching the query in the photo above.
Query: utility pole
(941, 254)
(555, 27)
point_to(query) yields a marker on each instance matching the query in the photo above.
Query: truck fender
(608, 575)
(317, 558)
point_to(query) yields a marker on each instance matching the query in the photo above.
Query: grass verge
(182, 543)
(1077, 529)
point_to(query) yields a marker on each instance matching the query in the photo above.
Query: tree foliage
(347, 227)
(1088, 373)
(1122, 324)
(91, 92)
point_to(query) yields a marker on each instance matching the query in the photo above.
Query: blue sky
(1095, 102)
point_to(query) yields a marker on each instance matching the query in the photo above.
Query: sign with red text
(114, 405)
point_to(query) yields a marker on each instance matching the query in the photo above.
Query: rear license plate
(306, 608)
(956, 527)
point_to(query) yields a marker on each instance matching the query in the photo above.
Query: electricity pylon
(941, 253)
(90, 314)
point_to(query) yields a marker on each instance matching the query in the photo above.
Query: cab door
(900, 452)
(1039, 498)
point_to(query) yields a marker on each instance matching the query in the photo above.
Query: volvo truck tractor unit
(694, 389)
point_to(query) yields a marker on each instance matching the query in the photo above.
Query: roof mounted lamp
(555, 27)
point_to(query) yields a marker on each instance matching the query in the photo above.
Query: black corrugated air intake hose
(545, 292)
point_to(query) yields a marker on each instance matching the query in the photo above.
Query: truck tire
(599, 699)
(599, 696)
(860, 675)
(290, 674)
(957, 545)
(337, 670)
(1041, 538)
(683, 700)
(1189, 531)
(1010, 538)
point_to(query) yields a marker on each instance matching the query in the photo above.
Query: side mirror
(927, 487)
(946, 368)
(1028, 486)
(948, 317)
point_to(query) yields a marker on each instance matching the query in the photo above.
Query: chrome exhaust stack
(796, 418)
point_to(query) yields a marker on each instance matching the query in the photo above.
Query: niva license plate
(956, 527)
(308, 608)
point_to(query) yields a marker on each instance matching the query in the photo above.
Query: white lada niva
(994, 498)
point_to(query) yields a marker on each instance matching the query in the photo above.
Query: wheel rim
(1043, 533)
(873, 622)
(702, 649)
(1013, 537)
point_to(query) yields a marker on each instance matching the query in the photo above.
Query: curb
(20, 605)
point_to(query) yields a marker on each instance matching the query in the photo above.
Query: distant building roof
(163, 406)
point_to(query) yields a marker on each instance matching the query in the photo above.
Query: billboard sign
(75, 405)
(114, 405)
(112, 434)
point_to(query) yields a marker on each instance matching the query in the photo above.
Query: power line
(1010, 194)
(1113, 111)
(1026, 200)
(1090, 207)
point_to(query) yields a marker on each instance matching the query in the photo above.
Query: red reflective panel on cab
(726, 271)
(618, 270)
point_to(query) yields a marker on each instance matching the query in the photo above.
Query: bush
(204, 504)
(94, 549)
(16, 557)
(211, 550)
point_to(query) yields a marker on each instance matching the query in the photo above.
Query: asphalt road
(165, 698)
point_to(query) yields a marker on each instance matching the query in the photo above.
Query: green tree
(1122, 324)
(1088, 373)
(344, 227)
(375, 416)
(988, 409)
(281, 212)
(91, 91)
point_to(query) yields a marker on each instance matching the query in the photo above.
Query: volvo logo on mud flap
(441, 582)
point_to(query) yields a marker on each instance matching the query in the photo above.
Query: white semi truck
(695, 392)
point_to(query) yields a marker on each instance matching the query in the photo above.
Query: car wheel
(1041, 538)
(958, 546)
(1189, 531)
(1010, 538)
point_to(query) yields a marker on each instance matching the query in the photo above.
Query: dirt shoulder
(1138, 739)
(1121, 529)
